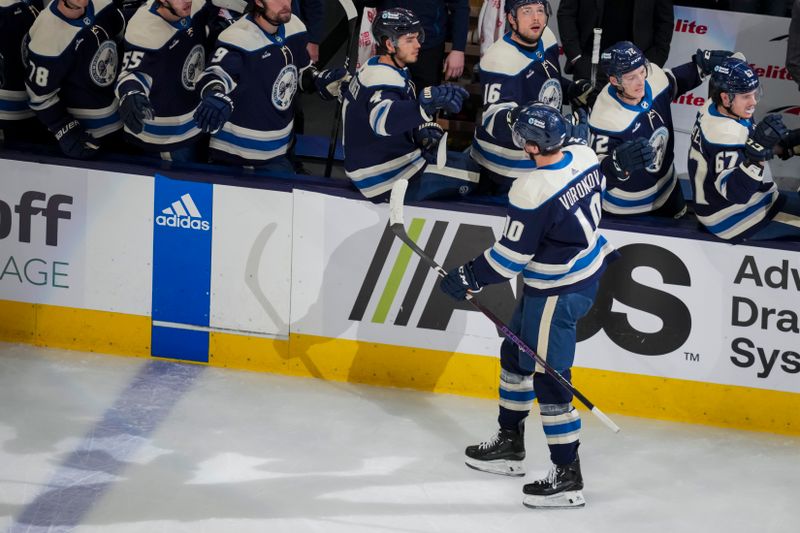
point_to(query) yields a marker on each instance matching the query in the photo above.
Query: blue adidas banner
(182, 222)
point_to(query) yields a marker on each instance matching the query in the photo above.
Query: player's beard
(276, 19)
(529, 37)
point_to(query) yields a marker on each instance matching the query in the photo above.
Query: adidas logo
(183, 213)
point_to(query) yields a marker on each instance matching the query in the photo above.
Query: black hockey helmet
(539, 124)
(621, 58)
(391, 24)
(513, 5)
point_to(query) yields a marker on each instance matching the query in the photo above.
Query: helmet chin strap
(167, 6)
(262, 12)
(729, 108)
(71, 6)
(528, 42)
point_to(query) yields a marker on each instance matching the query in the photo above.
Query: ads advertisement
(677, 308)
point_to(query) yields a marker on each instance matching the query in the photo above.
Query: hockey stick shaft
(397, 226)
(350, 66)
(598, 33)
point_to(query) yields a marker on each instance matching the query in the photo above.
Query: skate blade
(572, 499)
(501, 467)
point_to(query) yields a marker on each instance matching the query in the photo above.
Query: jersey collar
(374, 60)
(536, 54)
(180, 24)
(646, 103)
(86, 20)
(566, 160)
(279, 37)
(714, 112)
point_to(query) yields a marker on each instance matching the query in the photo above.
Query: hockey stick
(397, 226)
(350, 66)
(598, 32)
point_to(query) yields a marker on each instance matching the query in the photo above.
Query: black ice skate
(561, 489)
(502, 454)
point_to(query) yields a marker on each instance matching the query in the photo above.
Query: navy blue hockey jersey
(164, 60)
(731, 198)
(380, 113)
(513, 75)
(72, 67)
(16, 18)
(613, 122)
(261, 73)
(551, 233)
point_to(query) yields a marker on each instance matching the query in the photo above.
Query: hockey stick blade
(398, 228)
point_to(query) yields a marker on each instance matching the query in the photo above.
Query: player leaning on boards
(728, 157)
(551, 239)
(389, 133)
(521, 67)
(632, 129)
(72, 67)
(165, 44)
(248, 90)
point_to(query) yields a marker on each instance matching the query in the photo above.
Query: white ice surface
(241, 452)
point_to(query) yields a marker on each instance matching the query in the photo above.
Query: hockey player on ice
(728, 157)
(519, 68)
(72, 67)
(632, 129)
(390, 133)
(551, 239)
(165, 44)
(248, 90)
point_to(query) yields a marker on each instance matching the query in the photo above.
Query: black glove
(582, 94)
(577, 128)
(427, 137)
(768, 133)
(458, 281)
(213, 112)
(75, 141)
(134, 109)
(448, 96)
(790, 144)
(630, 156)
(706, 60)
(329, 82)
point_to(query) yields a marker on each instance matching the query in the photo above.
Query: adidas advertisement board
(676, 308)
(181, 268)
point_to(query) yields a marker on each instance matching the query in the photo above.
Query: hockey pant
(547, 324)
(459, 177)
(785, 224)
